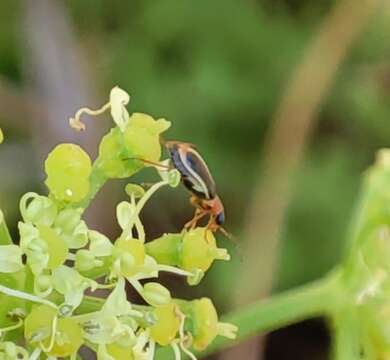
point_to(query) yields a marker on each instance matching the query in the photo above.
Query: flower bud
(142, 136)
(113, 160)
(68, 219)
(68, 338)
(199, 250)
(131, 254)
(166, 249)
(119, 352)
(204, 323)
(10, 351)
(68, 168)
(40, 210)
(155, 294)
(174, 178)
(38, 324)
(85, 260)
(100, 245)
(42, 285)
(134, 189)
(164, 331)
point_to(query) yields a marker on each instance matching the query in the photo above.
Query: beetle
(197, 178)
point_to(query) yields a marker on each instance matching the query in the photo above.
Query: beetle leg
(211, 226)
(195, 202)
(199, 213)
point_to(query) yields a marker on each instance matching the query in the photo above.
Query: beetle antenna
(234, 240)
(148, 162)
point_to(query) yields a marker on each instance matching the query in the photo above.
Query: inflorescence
(44, 309)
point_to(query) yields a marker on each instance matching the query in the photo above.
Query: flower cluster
(44, 281)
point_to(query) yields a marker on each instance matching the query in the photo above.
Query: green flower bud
(155, 294)
(100, 245)
(142, 136)
(10, 351)
(166, 249)
(204, 324)
(124, 212)
(68, 168)
(40, 210)
(174, 178)
(68, 219)
(165, 330)
(119, 352)
(199, 250)
(191, 251)
(137, 138)
(78, 238)
(85, 260)
(43, 285)
(134, 189)
(131, 254)
(38, 324)
(68, 338)
(113, 157)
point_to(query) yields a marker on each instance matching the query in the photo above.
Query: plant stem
(315, 299)
(5, 237)
(93, 304)
(346, 336)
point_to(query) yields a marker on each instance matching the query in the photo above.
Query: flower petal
(118, 100)
(10, 258)
(100, 244)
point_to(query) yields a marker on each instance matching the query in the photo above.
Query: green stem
(316, 299)
(346, 335)
(93, 304)
(5, 237)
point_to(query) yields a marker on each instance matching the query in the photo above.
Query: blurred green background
(217, 70)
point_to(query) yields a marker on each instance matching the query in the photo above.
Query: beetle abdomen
(193, 169)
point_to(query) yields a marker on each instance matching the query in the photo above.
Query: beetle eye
(220, 218)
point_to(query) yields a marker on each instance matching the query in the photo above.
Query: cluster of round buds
(44, 279)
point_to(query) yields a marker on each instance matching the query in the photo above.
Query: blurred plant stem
(16, 103)
(284, 149)
(5, 237)
(346, 346)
